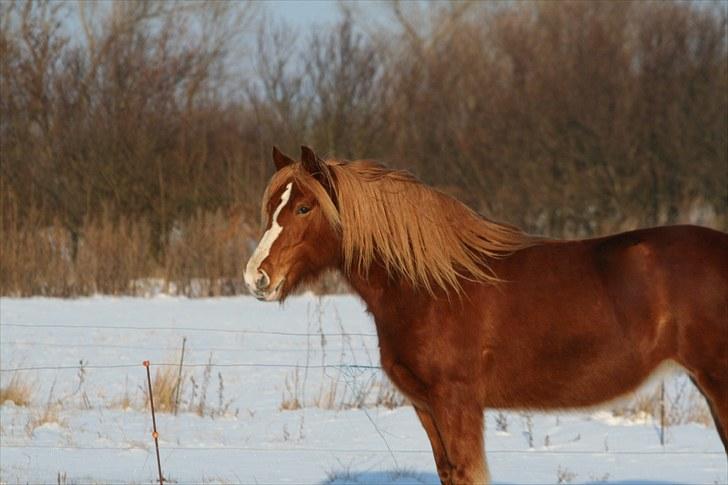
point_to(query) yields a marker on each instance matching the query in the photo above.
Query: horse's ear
(280, 159)
(310, 161)
(317, 168)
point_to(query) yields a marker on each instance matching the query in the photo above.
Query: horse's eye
(303, 209)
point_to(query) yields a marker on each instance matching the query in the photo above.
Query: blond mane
(415, 231)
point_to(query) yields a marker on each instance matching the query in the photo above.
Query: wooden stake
(179, 376)
(155, 435)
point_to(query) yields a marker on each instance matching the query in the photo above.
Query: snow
(244, 435)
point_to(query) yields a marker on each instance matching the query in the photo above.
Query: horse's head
(301, 237)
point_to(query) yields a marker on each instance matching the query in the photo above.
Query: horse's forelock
(304, 181)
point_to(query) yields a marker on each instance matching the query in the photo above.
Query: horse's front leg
(459, 423)
(438, 449)
(453, 422)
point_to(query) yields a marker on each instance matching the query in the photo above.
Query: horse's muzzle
(274, 295)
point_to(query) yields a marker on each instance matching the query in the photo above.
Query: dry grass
(34, 256)
(48, 414)
(164, 387)
(197, 399)
(328, 396)
(112, 254)
(203, 257)
(291, 392)
(124, 402)
(340, 388)
(355, 392)
(388, 395)
(206, 253)
(19, 391)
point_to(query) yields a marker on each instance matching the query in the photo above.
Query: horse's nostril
(263, 281)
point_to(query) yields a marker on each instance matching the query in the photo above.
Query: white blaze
(266, 242)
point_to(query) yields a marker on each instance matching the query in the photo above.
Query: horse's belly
(581, 376)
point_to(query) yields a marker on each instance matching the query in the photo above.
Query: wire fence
(191, 329)
(289, 366)
(194, 364)
(139, 327)
(366, 450)
(32, 343)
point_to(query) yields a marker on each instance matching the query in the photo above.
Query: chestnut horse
(472, 314)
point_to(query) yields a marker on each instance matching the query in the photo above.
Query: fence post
(155, 435)
(179, 376)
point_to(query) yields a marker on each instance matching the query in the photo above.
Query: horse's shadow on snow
(347, 477)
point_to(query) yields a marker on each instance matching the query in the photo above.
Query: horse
(473, 314)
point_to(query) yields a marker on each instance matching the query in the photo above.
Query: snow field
(243, 435)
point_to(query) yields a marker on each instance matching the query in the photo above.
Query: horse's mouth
(271, 295)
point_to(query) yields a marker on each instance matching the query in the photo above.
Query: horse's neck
(388, 299)
(372, 287)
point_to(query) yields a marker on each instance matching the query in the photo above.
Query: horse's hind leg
(715, 392)
(703, 352)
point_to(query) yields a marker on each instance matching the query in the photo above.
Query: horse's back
(681, 271)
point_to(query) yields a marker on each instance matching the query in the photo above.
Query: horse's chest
(427, 349)
(404, 369)
(399, 342)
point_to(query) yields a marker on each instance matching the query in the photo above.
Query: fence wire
(362, 450)
(32, 343)
(190, 329)
(206, 349)
(194, 364)
(342, 367)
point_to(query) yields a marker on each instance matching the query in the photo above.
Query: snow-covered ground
(87, 422)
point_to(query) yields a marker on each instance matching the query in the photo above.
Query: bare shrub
(683, 404)
(113, 254)
(34, 256)
(223, 405)
(201, 404)
(124, 152)
(206, 254)
(198, 400)
(501, 422)
(613, 83)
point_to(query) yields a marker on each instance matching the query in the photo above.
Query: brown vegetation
(137, 146)
(164, 387)
(18, 390)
